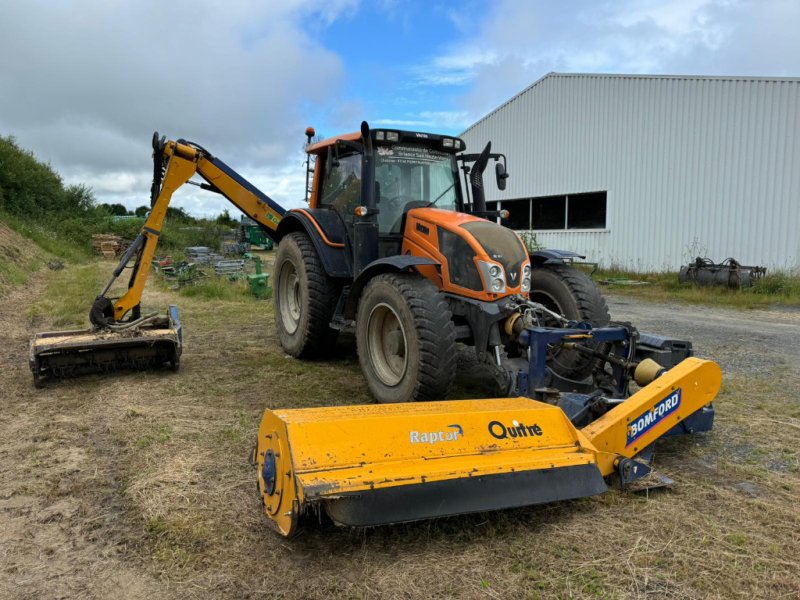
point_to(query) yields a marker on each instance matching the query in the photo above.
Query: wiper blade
(439, 197)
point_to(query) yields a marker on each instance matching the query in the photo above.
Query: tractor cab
(409, 170)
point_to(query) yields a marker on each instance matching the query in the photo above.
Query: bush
(530, 241)
(62, 219)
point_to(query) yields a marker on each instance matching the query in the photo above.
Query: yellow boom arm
(182, 160)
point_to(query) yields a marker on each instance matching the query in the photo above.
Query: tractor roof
(319, 147)
(430, 139)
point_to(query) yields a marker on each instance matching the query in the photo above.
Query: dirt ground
(137, 484)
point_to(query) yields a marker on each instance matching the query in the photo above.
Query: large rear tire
(571, 293)
(406, 339)
(305, 299)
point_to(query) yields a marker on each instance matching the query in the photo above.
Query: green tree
(27, 186)
(78, 198)
(175, 213)
(141, 211)
(115, 209)
(225, 219)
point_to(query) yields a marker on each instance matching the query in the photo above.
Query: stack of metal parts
(235, 248)
(202, 255)
(228, 267)
(729, 273)
(182, 274)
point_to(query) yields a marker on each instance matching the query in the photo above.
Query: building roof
(553, 74)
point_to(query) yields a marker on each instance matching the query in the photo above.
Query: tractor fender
(540, 257)
(327, 233)
(390, 264)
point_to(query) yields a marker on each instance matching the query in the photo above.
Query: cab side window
(341, 187)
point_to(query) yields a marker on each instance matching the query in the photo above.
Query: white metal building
(647, 172)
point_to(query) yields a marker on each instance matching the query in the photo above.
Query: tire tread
(323, 293)
(436, 333)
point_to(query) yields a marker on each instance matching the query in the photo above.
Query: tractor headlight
(526, 279)
(494, 276)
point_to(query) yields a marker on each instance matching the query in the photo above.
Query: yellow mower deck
(379, 464)
(68, 353)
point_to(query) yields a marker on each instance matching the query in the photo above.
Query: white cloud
(519, 41)
(84, 84)
(435, 120)
(457, 68)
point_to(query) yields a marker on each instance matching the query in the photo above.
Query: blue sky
(91, 81)
(386, 47)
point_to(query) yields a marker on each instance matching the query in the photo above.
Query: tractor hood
(469, 248)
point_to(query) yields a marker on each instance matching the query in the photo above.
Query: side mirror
(501, 175)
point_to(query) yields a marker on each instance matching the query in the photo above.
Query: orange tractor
(390, 245)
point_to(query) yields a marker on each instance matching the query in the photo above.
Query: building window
(568, 211)
(548, 212)
(519, 213)
(586, 211)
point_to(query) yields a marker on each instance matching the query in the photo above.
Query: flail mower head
(392, 463)
(143, 343)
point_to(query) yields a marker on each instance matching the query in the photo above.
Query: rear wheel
(305, 299)
(406, 339)
(571, 293)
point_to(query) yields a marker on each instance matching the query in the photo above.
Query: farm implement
(380, 464)
(392, 248)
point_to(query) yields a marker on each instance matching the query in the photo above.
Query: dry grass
(19, 258)
(139, 483)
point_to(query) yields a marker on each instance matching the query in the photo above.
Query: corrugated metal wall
(692, 166)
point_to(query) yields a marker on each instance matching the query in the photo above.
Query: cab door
(341, 187)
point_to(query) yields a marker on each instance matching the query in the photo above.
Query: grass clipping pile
(140, 482)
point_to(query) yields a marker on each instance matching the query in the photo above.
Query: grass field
(781, 289)
(138, 484)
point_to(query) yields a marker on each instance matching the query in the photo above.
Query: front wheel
(406, 339)
(571, 293)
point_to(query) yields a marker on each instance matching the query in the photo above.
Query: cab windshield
(413, 176)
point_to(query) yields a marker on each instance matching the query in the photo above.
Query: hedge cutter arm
(142, 341)
(175, 162)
